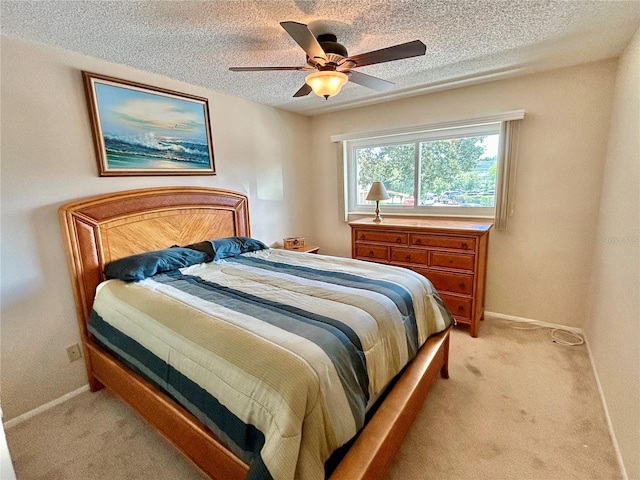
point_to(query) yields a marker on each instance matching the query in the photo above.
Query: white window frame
(489, 125)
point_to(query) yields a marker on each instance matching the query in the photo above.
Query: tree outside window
(452, 172)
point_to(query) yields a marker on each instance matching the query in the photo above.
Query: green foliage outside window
(394, 165)
(452, 171)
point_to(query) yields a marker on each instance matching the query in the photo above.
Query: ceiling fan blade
(397, 52)
(370, 81)
(303, 37)
(304, 90)
(261, 69)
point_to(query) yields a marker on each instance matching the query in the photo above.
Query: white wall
(613, 328)
(540, 267)
(48, 159)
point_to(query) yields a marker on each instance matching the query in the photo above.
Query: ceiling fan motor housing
(329, 43)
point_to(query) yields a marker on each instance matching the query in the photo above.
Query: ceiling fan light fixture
(326, 83)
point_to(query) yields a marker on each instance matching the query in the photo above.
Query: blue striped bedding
(278, 353)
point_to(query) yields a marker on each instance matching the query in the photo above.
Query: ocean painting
(146, 131)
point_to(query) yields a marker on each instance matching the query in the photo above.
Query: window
(447, 169)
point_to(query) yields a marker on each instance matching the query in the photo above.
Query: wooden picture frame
(143, 130)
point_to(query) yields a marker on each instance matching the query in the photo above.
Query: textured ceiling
(197, 41)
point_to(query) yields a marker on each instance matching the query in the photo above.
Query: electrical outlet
(73, 352)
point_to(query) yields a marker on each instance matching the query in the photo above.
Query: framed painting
(144, 130)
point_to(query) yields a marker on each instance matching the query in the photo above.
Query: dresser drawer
(458, 243)
(452, 260)
(375, 252)
(404, 255)
(449, 282)
(460, 307)
(381, 237)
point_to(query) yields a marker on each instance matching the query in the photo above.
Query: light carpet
(516, 406)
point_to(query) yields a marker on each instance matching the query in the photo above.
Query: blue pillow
(228, 247)
(143, 265)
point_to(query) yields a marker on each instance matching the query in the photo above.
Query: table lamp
(377, 192)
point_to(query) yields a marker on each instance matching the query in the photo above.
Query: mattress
(279, 353)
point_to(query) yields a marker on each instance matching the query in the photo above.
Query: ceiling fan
(334, 65)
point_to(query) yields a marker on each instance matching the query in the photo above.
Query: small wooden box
(293, 242)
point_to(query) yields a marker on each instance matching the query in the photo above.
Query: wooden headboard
(103, 228)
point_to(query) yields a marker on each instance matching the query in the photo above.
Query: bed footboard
(369, 457)
(372, 453)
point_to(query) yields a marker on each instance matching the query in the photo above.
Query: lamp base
(377, 218)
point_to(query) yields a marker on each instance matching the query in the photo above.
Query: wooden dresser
(452, 254)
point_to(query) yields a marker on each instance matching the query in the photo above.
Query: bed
(102, 229)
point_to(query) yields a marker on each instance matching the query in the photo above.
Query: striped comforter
(279, 353)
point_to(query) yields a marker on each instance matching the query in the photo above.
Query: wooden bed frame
(100, 229)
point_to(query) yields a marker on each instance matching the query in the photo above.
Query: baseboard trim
(603, 400)
(616, 447)
(540, 323)
(42, 408)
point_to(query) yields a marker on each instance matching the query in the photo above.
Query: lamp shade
(377, 192)
(326, 83)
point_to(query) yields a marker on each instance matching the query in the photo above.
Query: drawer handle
(464, 245)
(418, 241)
(462, 285)
(460, 308)
(361, 236)
(450, 261)
(371, 253)
(408, 258)
(399, 239)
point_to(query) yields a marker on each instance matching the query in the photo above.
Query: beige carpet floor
(517, 406)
